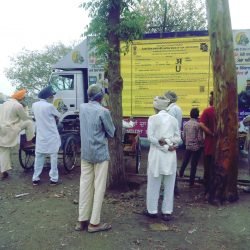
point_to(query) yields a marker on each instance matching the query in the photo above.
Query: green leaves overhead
(180, 15)
(143, 16)
(130, 27)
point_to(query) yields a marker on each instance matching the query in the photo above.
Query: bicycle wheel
(27, 158)
(70, 153)
(138, 156)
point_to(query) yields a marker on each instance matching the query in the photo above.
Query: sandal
(99, 228)
(5, 175)
(167, 217)
(81, 225)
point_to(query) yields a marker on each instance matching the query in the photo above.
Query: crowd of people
(96, 126)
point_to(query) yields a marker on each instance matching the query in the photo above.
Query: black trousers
(194, 156)
(209, 172)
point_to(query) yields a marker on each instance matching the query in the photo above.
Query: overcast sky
(33, 24)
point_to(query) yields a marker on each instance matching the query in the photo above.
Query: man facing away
(207, 123)
(174, 110)
(48, 140)
(96, 126)
(193, 140)
(164, 136)
(13, 119)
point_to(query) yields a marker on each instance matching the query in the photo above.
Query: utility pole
(165, 17)
(225, 93)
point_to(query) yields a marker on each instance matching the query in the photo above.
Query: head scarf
(171, 96)
(46, 92)
(19, 95)
(95, 92)
(160, 102)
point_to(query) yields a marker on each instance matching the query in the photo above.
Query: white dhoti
(28, 126)
(5, 160)
(9, 133)
(92, 189)
(153, 193)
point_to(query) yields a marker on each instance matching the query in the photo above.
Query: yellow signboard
(152, 67)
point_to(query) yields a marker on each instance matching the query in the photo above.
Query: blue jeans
(39, 163)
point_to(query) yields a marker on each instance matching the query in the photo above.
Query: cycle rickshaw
(69, 130)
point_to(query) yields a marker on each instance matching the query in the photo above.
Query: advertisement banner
(154, 66)
(241, 40)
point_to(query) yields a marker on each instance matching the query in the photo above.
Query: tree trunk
(117, 170)
(225, 94)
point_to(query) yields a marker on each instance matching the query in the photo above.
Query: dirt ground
(44, 217)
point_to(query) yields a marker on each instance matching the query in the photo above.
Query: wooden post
(225, 93)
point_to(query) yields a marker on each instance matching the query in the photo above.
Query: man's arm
(206, 129)
(159, 143)
(108, 124)
(21, 112)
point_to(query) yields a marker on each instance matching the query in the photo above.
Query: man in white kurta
(164, 136)
(13, 119)
(48, 140)
(174, 110)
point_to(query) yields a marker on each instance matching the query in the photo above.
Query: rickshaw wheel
(70, 153)
(138, 156)
(26, 158)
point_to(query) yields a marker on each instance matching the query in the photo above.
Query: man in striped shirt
(96, 126)
(193, 139)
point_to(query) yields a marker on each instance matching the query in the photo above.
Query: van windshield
(62, 82)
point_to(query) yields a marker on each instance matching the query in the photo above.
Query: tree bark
(225, 93)
(117, 171)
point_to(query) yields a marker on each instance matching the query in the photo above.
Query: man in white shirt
(173, 109)
(48, 140)
(164, 137)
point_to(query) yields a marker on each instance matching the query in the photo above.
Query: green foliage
(143, 16)
(131, 24)
(181, 15)
(31, 69)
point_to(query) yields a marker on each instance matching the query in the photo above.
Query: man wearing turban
(174, 110)
(96, 126)
(48, 140)
(13, 119)
(164, 137)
